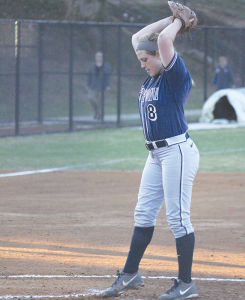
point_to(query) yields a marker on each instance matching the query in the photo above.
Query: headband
(147, 46)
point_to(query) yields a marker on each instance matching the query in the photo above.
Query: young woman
(173, 158)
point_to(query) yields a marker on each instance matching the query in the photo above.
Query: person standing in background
(223, 76)
(98, 81)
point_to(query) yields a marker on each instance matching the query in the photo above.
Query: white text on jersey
(148, 94)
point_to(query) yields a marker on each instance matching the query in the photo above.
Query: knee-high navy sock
(140, 240)
(185, 248)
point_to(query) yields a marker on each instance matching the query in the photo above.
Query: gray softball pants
(168, 176)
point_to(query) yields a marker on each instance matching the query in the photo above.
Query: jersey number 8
(152, 115)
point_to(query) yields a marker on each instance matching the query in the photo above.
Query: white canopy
(229, 102)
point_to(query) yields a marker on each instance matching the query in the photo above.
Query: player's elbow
(135, 40)
(164, 38)
(164, 41)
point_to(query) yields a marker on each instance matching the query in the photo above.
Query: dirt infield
(64, 224)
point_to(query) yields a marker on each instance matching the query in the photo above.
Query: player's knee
(144, 219)
(179, 228)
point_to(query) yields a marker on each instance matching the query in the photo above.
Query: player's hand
(185, 14)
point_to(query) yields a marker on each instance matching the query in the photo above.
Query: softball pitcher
(173, 158)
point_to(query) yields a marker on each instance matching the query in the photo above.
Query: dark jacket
(99, 78)
(224, 78)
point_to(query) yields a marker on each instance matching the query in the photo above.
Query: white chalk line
(45, 296)
(112, 276)
(49, 296)
(92, 292)
(110, 162)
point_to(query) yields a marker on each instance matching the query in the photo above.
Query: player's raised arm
(184, 20)
(156, 27)
(165, 41)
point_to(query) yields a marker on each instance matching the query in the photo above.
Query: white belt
(167, 142)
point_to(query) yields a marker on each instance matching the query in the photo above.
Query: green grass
(221, 150)
(116, 149)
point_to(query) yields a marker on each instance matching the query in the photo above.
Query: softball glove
(185, 15)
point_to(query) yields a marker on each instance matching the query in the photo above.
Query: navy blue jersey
(162, 100)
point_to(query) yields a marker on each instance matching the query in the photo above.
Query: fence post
(71, 77)
(205, 66)
(243, 58)
(17, 75)
(119, 67)
(40, 73)
(103, 75)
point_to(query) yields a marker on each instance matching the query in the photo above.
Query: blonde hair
(152, 37)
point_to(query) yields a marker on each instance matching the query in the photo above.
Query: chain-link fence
(46, 68)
